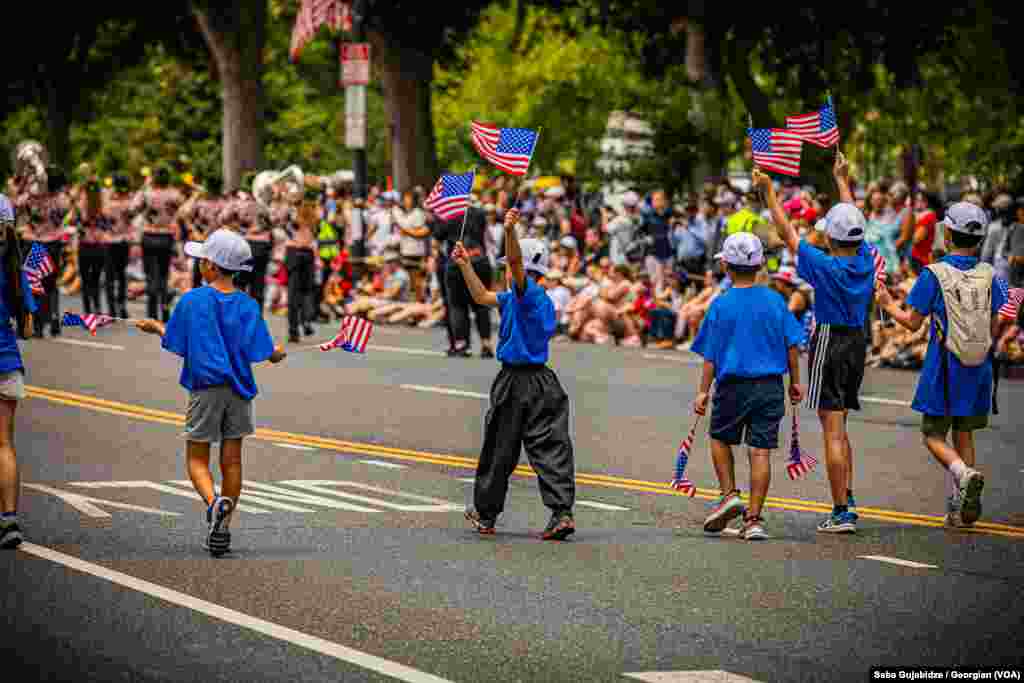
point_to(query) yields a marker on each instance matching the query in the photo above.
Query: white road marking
(381, 463)
(397, 349)
(321, 487)
(599, 506)
(258, 498)
(674, 359)
(95, 345)
(442, 390)
(325, 647)
(295, 446)
(163, 488)
(885, 401)
(472, 480)
(689, 677)
(270, 491)
(896, 560)
(87, 505)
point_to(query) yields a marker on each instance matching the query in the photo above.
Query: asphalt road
(351, 560)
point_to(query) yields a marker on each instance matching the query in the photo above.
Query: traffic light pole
(360, 185)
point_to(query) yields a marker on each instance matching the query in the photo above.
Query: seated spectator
(798, 298)
(333, 304)
(610, 309)
(560, 296)
(396, 291)
(277, 287)
(691, 314)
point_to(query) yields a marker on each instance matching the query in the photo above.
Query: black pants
(325, 275)
(529, 409)
(357, 252)
(92, 258)
(299, 263)
(116, 281)
(442, 272)
(49, 300)
(460, 302)
(156, 258)
(256, 281)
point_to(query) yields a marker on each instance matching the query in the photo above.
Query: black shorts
(836, 368)
(751, 407)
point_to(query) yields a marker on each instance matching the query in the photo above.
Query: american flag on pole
(818, 128)
(37, 266)
(312, 15)
(776, 150)
(800, 463)
(1011, 309)
(91, 322)
(353, 335)
(450, 195)
(510, 149)
(680, 482)
(880, 269)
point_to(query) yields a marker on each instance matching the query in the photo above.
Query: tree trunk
(407, 75)
(236, 36)
(738, 68)
(58, 123)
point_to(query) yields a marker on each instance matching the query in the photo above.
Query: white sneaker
(971, 485)
(753, 530)
(728, 506)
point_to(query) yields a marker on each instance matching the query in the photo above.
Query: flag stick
(519, 195)
(465, 214)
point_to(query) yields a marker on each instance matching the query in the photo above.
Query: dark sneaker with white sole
(484, 527)
(218, 539)
(970, 496)
(560, 527)
(10, 536)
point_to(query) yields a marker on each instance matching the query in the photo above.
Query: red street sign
(355, 64)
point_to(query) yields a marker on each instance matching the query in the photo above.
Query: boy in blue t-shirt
(843, 283)
(749, 339)
(528, 407)
(219, 332)
(955, 387)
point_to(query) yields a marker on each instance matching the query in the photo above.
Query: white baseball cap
(845, 222)
(225, 249)
(742, 249)
(966, 217)
(630, 199)
(535, 256)
(569, 242)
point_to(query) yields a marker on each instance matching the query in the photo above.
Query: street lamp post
(359, 8)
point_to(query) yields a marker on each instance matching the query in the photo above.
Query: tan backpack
(968, 298)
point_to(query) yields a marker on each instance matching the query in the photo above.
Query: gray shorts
(216, 414)
(12, 386)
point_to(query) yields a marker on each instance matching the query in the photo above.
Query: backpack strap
(943, 349)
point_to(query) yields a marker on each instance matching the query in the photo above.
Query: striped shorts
(836, 367)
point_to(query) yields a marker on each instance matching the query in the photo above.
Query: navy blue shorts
(751, 407)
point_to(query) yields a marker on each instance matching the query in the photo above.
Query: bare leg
(198, 454)
(832, 423)
(725, 465)
(941, 450)
(964, 443)
(9, 484)
(231, 472)
(760, 479)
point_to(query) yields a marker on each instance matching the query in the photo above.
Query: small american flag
(680, 482)
(776, 150)
(1011, 309)
(91, 322)
(880, 270)
(818, 128)
(450, 196)
(353, 335)
(312, 15)
(510, 149)
(800, 463)
(37, 266)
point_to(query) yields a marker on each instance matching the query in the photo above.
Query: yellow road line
(623, 483)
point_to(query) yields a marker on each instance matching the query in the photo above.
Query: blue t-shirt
(10, 357)
(843, 285)
(970, 389)
(220, 336)
(747, 333)
(527, 324)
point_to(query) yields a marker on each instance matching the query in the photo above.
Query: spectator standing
(995, 250)
(414, 241)
(656, 224)
(622, 229)
(460, 303)
(1016, 245)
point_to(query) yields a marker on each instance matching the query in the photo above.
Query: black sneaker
(484, 527)
(218, 539)
(464, 352)
(308, 330)
(486, 352)
(560, 527)
(10, 536)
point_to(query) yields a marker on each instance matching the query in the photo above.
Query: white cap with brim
(845, 222)
(225, 249)
(535, 256)
(742, 249)
(967, 218)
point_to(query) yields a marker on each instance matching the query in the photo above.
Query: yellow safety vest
(328, 239)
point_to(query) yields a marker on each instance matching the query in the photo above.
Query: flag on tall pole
(776, 150)
(510, 149)
(312, 15)
(818, 128)
(450, 196)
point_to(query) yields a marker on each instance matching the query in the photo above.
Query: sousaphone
(29, 161)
